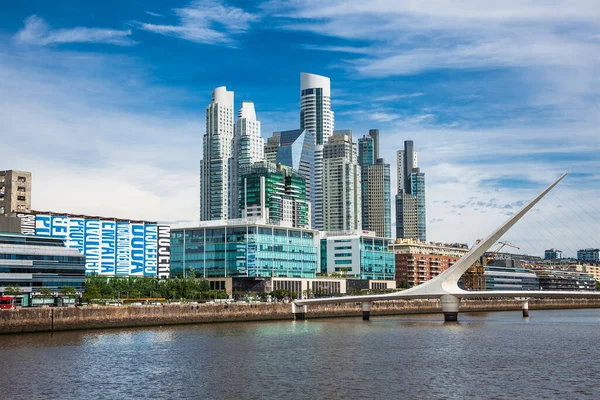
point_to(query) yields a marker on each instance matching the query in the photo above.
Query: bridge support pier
(299, 311)
(525, 308)
(366, 309)
(450, 306)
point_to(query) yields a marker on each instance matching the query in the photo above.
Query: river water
(551, 355)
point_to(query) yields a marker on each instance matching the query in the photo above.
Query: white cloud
(206, 21)
(36, 31)
(94, 139)
(393, 97)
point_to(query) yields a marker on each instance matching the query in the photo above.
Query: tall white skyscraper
(217, 147)
(248, 148)
(341, 184)
(315, 106)
(317, 118)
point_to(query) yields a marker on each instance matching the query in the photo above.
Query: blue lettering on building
(123, 248)
(137, 249)
(150, 254)
(92, 239)
(43, 223)
(60, 227)
(75, 234)
(108, 247)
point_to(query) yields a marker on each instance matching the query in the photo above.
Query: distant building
(509, 275)
(33, 263)
(248, 148)
(341, 184)
(411, 214)
(217, 149)
(275, 192)
(552, 254)
(244, 248)
(418, 261)
(557, 279)
(522, 258)
(593, 270)
(295, 149)
(357, 254)
(315, 106)
(592, 255)
(375, 186)
(15, 192)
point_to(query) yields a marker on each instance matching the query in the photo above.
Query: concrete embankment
(75, 318)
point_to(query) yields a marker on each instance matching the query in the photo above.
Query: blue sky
(104, 101)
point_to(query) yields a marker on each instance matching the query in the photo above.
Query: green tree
(46, 292)
(13, 291)
(68, 291)
(598, 286)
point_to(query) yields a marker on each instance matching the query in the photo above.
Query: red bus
(6, 303)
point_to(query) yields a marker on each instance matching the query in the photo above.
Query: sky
(104, 102)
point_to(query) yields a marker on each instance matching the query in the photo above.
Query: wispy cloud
(206, 21)
(393, 97)
(36, 31)
(338, 49)
(154, 14)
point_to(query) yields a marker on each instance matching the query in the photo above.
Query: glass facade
(363, 257)
(34, 262)
(246, 250)
(510, 278)
(418, 189)
(376, 261)
(284, 193)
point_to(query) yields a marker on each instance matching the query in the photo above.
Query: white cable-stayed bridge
(445, 286)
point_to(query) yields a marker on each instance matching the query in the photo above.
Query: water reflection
(484, 355)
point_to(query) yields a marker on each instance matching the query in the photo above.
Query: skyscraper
(316, 117)
(295, 149)
(275, 192)
(410, 200)
(214, 166)
(248, 148)
(315, 106)
(375, 186)
(341, 184)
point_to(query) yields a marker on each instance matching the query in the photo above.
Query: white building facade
(217, 149)
(342, 209)
(248, 148)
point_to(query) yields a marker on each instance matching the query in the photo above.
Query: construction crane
(474, 277)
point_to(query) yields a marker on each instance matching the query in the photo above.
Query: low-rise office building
(552, 254)
(558, 279)
(111, 246)
(592, 255)
(300, 287)
(417, 261)
(509, 275)
(358, 254)
(244, 248)
(33, 262)
(592, 269)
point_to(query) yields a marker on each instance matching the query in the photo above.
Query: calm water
(551, 355)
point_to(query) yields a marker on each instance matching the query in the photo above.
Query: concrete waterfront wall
(74, 318)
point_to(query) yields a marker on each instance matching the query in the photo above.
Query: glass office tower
(222, 249)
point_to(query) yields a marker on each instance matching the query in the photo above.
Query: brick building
(418, 261)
